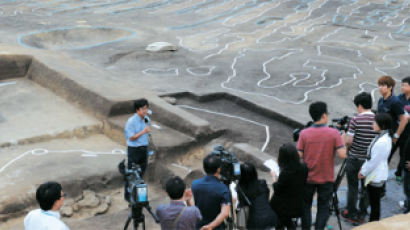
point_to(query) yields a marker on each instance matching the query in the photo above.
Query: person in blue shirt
(211, 196)
(136, 132)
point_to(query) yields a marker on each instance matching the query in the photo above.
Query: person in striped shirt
(358, 138)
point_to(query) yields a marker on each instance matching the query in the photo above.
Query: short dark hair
(175, 187)
(139, 103)
(211, 164)
(317, 109)
(385, 122)
(406, 80)
(47, 194)
(364, 99)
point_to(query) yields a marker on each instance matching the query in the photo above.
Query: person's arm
(301, 144)
(219, 219)
(282, 183)
(340, 146)
(402, 124)
(138, 135)
(341, 152)
(348, 137)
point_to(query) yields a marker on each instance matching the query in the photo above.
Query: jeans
(374, 199)
(401, 143)
(353, 167)
(324, 192)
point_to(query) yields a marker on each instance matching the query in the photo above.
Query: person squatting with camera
(211, 196)
(359, 135)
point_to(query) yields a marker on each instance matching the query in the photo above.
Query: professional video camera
(230, 166)
(136, 189)
(342, 124)
(296, 132)
(136, 193)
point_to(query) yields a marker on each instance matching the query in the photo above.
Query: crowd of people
(306, 169)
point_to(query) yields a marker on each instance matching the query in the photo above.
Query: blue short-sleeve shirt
(135, 125)
(209, 195)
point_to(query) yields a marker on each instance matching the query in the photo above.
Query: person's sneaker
(361, 217)
(345, 214)
(402, 204)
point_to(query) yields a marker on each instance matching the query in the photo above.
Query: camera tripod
(334, 207)
(231, 219)
(138, 217)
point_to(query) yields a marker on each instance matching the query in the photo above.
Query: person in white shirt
(50, 197)
(376, 169)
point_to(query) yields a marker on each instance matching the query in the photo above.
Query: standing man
(176, 215)
(50, 197)
(211, 196)
(359, 136)
(391, 104)
(317, 146)
(136, 131)
(405, 140)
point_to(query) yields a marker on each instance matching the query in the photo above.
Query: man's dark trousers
(139, 156)
(353, 166)
(324, 192)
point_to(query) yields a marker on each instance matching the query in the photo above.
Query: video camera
(230, 166)
(296, 132)
(135, 188)
(342, 124)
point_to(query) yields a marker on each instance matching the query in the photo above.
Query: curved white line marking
(265, 145)
(39, 152)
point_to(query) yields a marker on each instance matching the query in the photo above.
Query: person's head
(405, 85)
(383, 121)
(363, 101)
(212, 164)
(288, 156)
(318, 111)
(386, 85)
(141, 107)
(249, 174)
(50, 196)
(175, 188)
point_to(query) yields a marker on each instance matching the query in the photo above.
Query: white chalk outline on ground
(40, 151)
(8, 83)
(267, 140)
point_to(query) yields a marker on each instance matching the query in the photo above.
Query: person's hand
(274, 176)
(188, 194)
(407, 165)
(147, 129)
(360, 176)
(206, 227)
(395, 140)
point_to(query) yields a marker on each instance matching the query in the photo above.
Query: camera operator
(136, 132)
(359, 136)
(176, 215)
(211, 195)
(389, 103)
(317, 145)
(50, 197)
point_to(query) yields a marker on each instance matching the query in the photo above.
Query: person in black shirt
(287, 199)
(389, 103)
(261, 215)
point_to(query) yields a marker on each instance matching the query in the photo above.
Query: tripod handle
(149, 209)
